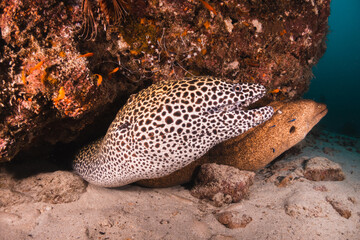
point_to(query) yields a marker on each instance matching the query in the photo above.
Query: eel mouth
(254, 100)
(251, 104)
(321, 112)
(255, 103)
(318, 113)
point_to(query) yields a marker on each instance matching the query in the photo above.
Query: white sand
(296, 211)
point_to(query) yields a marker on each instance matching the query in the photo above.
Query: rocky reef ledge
(63, 67)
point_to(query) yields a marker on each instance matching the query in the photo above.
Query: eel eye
(237, 88)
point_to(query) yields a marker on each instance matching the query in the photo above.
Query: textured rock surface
(47, 88)
(339, 207)
(51, 87)
(56, 187)
(259, 146)
(222, 184)
(322, 169)
(302, 203)
(233, 219)
(284, 173)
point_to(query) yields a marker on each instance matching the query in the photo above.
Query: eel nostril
(292, 129)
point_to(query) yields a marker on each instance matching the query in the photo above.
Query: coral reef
(54, 81)
(48, 87)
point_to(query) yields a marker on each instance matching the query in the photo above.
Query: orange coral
(37, 66)
(208, 6)
(61, 95)
(86, 55)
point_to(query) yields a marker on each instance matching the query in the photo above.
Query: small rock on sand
(339, 207)
(234, 219)
(322, 169)
(55, 187)
(304, 203)
(222, 184)
(284, 173)
(9, 197)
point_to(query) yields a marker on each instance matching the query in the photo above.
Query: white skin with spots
(167, 126)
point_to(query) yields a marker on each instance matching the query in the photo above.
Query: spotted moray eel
(167, 126)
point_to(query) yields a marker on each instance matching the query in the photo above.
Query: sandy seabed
(299, 210)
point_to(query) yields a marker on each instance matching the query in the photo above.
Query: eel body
(169, 125)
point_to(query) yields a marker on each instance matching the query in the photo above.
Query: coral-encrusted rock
(56, 187)
(53, 82)
(48, 83)
(222, 184)
(234, 219)
(322, 169)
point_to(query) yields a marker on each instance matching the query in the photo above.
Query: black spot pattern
(167, 126)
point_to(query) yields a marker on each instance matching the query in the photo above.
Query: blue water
(337, 75)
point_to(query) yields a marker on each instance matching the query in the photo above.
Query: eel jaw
(251, 101)
(240, 105)
(320, 112)
(261, 91)
(262, 114)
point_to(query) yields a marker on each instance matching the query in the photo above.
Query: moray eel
(257, 147)
(167, 126)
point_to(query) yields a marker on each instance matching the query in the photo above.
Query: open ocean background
(337, 75)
